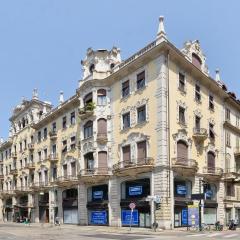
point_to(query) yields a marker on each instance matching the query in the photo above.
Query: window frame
(127, 114)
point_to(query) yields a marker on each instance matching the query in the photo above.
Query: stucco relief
(182, 104)
(198, 113)
(212, 121)
(88, 147)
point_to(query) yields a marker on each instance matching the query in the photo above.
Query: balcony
(132, 168)
(39, 185)
(86, 111)
(14, 155)
(184, 166)
(22, 189)
(30, 166)
(200, 134)
(53, 135)
(212, 173)
(8, 193)
(14, 171)
(232, 174)
(95, 175)
(102, 138)
(53, 157)
(66, 181)
(227, 123)
(1, 176)
(31, 146)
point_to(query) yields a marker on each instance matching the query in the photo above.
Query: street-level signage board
(198, 196)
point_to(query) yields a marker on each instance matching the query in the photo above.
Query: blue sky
(43, 41)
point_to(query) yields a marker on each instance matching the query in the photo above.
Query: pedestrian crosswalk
(216, 235)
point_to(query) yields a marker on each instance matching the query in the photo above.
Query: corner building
(155, 124)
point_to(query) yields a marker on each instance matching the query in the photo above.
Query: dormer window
(196, 60)
(91, 68)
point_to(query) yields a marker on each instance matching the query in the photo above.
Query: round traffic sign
(132, 205)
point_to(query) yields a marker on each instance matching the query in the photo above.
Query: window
(64, 122)
(125, 89)
(197, 123)
(45, 133)
(87, 99)
(237, 121)
(237, 143)
(21, 164)
(141, 80)
(182, 115)
(20, 146)
(102, 126)
(197, 93)
(196, 60)
(142, 151)
(211, 131)
(227, 113)
(73, 143)
(141, 114)
(39, 156)
(64, 146)
(89, 161)
(126, 153)
(25, 144)
(228, 139)
(211, 103)
(230, 191)
(45, 153)
(102, 98)
(72, 118)
(54, 127)
(88, 129)
(181, 83)
(39, 136)
(126, 120)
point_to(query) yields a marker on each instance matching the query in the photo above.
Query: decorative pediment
(182, 135)
(212, 121)
(193, 52)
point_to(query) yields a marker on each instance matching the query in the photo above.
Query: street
(47, 232)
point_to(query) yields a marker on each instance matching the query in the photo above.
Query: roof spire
(161, 31)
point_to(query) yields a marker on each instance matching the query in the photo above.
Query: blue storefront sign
(99, 217)
(181, 190)
(193, 215)
(97, 194)
(184, 217)
(135, 190)
(126, 217)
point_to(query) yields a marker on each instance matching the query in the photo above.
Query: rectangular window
(20, 146)
(211, 102)
(228, 139)
(45, 153)
(45, 133)
(141, 114)
(39, 136)
(237, 121)
(73, 143)
(126, 120)
(197, 123)
(25, 144)
(227, 113)
(54, 127)
(126, 153)
(141, 80)
(197, 93)
(73, 118)
(64, 122)
(181, 82)
(182, 115)
(64, 144)
(211, 131)
(39, 156)
(142, 151)
(125, 89)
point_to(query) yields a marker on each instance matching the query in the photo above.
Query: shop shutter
(102, 126)
(141, 151)
(126, 154)
(182, 152)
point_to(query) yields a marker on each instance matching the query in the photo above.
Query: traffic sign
(132, 205)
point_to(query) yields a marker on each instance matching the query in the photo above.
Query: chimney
(61, 98)
(35, 94)
(161, 31)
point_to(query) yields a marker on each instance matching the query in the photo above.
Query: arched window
(102, 99)
(88, 129)
(102, 126)
(196, 60)
(211, 161)
(182, 151)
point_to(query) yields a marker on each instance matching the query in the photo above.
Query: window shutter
(126, 154)
(102, 126)
(102, 160)
(142, 154)
(211, 161)
(182, 151)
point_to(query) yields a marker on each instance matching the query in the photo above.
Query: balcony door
(182, 152)
(126, 153)
(141, 151)
(211, 161)
(102, 126)
(102, 161)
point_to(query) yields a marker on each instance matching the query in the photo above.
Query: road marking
(197, 235)
(214, 234)
(231, 235)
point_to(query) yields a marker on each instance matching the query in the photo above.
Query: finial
(61, 98)
(161, 31)
(35, 94)
(217, 76)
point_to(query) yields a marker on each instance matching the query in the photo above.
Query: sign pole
(131, 219)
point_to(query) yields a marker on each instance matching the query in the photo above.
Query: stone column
(82, 204)
(114, 202)
(51, 206)
(36, 209)
(162, 174)
(14, 202)
(220, 197)
(60, 208)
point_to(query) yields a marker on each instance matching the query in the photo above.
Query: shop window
(88, 129)
(99, 193)
(102, 97)
(70, 194)
(182, 189)
(210, 191)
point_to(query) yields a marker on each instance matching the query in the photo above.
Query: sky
(43, 41)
